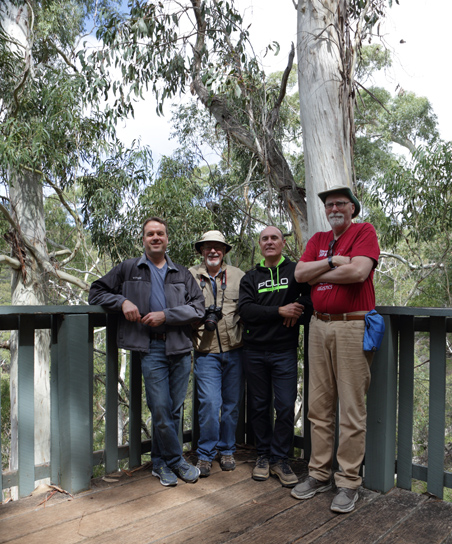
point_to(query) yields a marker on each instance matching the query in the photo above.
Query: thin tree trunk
(27, 288)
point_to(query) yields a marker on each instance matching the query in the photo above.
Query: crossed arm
(354, 270)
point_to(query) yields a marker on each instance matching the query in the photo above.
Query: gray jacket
(131, 280)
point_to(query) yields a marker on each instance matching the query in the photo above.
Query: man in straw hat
(217, 345)
(339, 265)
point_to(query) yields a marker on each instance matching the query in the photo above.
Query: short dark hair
(157, 220)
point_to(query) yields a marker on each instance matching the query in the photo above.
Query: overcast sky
(420, 64)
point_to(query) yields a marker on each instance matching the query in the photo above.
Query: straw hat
(212, 236)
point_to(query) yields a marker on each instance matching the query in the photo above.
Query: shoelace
(262, 462)
(286, 468)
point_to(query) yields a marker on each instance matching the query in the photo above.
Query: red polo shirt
(360, 239)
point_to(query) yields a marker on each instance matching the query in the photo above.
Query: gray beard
(213, 262)
(337, 220)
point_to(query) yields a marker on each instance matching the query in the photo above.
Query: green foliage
(110, 195)
(372, 58)
(152, 48)
(417, 198)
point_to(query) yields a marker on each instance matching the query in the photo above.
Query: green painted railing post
(437, 406)
(111, 402)
(25, 405)
(135, 388)
(75, 397)
(55, 455)
(381, 414)
(406, 403)
(194, 416)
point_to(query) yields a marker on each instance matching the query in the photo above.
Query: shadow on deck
(226, 507)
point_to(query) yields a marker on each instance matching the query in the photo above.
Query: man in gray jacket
(159, 300)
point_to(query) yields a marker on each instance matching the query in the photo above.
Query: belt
(339, 317)
(158, 336)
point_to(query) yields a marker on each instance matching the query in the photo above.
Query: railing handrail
(72, 356)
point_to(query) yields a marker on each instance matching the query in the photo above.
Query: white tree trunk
(27, 288)
(14, 20)
(27, 283)
(325, 105)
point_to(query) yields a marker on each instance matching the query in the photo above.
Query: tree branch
(76, 218)
(410, 265)
(13, 263)
(42, 260)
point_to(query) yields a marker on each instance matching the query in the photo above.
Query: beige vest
(229, 327)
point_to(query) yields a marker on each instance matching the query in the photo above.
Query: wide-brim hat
(212, 236)
(343, 189)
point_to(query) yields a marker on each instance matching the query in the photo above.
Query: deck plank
(95, 513)
(431, 523)
(226, 508)
(301, 521)
(370, 521)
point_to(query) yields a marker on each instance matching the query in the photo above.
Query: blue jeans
(272, 373)
(166, 381)
(219, 383)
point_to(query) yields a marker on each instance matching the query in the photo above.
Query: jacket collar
(169, 262)
(261, 264)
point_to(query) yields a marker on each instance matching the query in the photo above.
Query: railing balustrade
(389, 448)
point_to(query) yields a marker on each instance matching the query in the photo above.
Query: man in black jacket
(159, 300)
(272, 305)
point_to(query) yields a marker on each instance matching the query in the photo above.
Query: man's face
(213, 253)
(271, 242)
(339, 210)
(155, 239)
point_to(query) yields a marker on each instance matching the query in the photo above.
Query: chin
(336, 221)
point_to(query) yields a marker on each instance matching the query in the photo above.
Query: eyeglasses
(216, 247)
(331, 247)
(340, 204)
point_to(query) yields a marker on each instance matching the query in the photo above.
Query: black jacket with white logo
(262, 291)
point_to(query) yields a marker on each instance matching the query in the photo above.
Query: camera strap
(223, 285)
(202, 284)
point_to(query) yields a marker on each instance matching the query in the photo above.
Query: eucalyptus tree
(203, 47)
(174, 47)
(46, 138)
(330, 34)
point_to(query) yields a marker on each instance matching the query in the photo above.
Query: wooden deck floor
(226, 507)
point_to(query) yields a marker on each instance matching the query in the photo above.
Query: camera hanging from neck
(214, 313)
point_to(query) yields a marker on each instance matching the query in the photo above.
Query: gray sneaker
(282, 470)
(187, 472)
(261, 471)
(309, 487)
(344, 501)
(166, 475)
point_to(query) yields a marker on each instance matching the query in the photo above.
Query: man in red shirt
(339, 265)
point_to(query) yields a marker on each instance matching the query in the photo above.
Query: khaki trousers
(339, 369)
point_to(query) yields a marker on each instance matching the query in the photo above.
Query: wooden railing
(390, 400)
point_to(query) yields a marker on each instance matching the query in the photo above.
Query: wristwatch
(330, 262)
